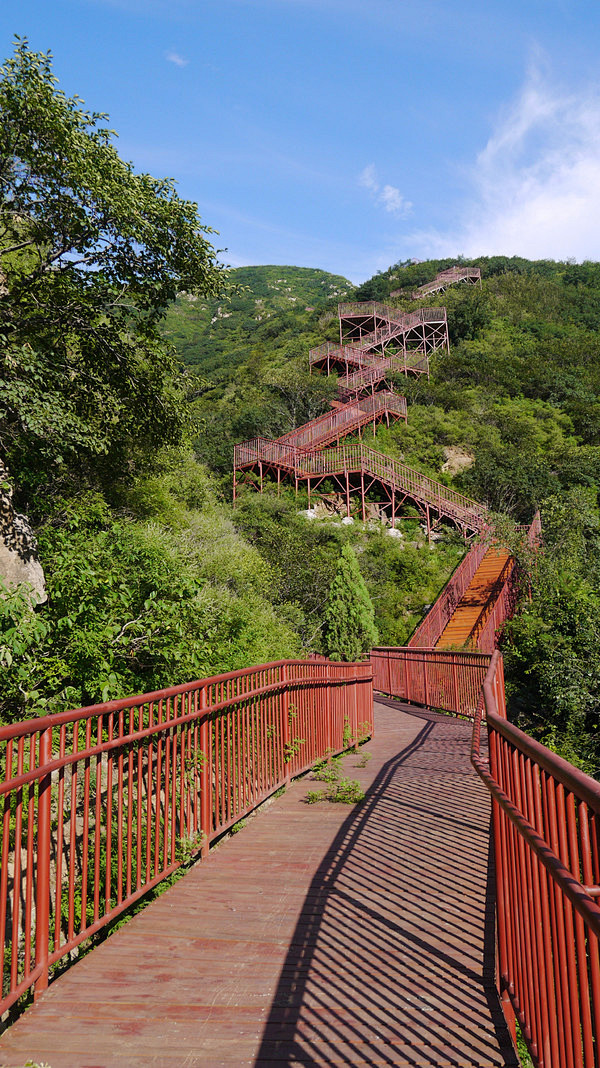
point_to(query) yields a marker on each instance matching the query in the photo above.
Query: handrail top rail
(57, 719)
(577, 781)
(428, 650)
(581, 785)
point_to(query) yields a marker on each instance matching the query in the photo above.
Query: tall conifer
(350, 631)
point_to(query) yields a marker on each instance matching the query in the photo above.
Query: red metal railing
(397, 324)
(417, 362)
(353, 354)
(436, 678)
(428, 632)
(99, 804)
(447, 278)
(350, 459)
(547, 843)
(371, 309)
(494, 614)
(357, 458)
(390, 323)
(263, 450)
(486, 632)
(345, 420)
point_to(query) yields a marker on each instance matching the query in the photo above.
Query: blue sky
(349, 134)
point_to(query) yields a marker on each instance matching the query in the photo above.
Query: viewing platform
(375, 326)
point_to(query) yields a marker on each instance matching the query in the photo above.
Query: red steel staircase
(472, 611)
(312, 453)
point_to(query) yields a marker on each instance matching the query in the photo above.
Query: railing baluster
(548, 914)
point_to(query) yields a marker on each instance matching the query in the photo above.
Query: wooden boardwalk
(319, 935)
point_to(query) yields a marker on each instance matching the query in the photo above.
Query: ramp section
(346, 419)
(478, 600)
(470, 275)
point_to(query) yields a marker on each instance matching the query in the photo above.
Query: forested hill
(212, 335)
(510, 416)
(517, 393)
(118, 447)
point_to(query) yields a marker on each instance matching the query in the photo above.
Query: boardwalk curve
(318, 935)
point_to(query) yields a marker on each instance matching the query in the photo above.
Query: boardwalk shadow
(391, 961)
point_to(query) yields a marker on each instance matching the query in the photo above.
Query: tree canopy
(91, 254)
(350, 631)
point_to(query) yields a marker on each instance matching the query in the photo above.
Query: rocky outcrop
(19, 561)
(456, 460)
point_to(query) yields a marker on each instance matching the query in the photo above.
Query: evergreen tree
(350, 631)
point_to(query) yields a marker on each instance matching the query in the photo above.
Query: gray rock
(19, 561)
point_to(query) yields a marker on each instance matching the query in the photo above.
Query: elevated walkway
(477, 601)
(376, 326)
(356, 468)
(319, 935)
(469, 275)
(368, 368)
(346, 419)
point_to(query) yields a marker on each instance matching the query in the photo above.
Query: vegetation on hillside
(516, 402)
(132, 363)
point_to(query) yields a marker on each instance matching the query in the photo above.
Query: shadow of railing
(387, 964)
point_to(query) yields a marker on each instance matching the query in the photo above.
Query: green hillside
(120, 406)
(510, 416)
(214, 336)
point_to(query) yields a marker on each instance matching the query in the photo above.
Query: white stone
(347, 520)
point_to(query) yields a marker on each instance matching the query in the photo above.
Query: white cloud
(536, 183)
(174, 57)
(389, 197)
(393, 201)
(368, 178)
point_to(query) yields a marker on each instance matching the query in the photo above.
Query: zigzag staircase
(479, 596)
(306, 454)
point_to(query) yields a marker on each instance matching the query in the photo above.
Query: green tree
(91, 254)
(350, 631)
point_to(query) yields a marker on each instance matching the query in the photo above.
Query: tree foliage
(91, 254)
(551, 646)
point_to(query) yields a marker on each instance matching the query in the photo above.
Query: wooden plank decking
(319, 935)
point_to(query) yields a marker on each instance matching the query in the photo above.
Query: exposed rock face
(19, 561)
(456, 459)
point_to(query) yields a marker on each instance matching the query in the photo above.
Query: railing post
(205, 776)
(354, 686)
(502, 897)
(285, 726)
(42, 897)
(329, 725)
(425, 680)
(455, 683)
